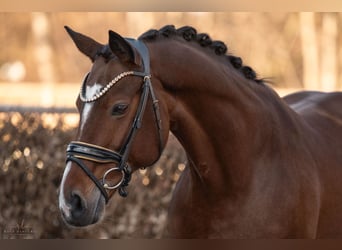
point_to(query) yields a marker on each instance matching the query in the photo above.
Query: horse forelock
(189, 33)
(105, 52)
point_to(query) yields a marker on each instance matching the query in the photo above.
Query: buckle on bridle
(147, 77)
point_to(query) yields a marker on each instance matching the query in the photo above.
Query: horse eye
(119, 109)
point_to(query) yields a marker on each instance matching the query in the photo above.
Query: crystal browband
(104, 89)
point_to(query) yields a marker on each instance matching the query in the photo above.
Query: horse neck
(221, 118)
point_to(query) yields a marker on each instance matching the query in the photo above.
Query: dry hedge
(32, 160)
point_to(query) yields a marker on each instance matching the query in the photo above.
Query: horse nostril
(77, 206)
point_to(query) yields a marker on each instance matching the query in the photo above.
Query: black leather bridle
(78, 151)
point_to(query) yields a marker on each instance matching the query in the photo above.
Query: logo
(19, 231)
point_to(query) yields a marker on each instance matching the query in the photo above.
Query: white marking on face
(90, 92)
(61, 199)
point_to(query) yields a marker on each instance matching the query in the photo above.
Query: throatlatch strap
(143, 51)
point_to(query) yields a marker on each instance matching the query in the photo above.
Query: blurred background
(40, 75)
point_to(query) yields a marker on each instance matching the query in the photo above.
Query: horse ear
(85, 44)
(121, 48)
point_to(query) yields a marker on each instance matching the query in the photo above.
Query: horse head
(123, 126)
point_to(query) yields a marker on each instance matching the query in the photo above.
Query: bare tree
(43, 55)
(329, 52)
(309, 50)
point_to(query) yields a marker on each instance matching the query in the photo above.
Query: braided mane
(190, 34)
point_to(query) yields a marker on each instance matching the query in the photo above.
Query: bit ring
(105, 185)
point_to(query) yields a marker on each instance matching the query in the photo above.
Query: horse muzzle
(80, 209)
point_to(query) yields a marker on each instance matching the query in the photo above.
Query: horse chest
(195, 215)
(264, 212)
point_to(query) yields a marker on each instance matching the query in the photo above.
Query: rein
(78, 151)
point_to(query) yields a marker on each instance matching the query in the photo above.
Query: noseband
(78, 151)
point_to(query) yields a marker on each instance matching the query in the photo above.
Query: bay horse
(259, 166)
